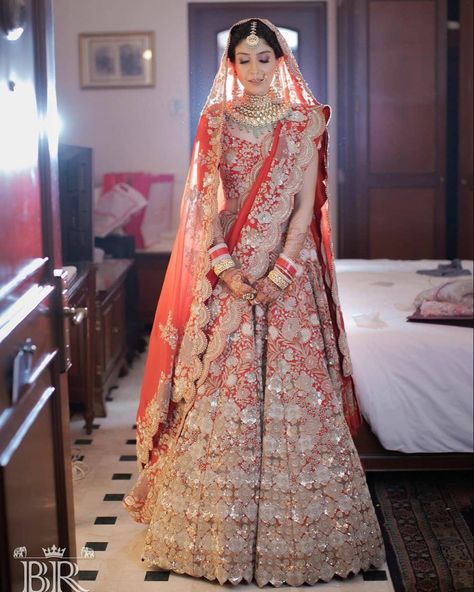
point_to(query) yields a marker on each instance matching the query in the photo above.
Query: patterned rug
(427, 524)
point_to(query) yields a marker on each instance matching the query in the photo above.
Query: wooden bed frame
(375, 457)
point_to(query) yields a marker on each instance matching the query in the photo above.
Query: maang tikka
(253, 40)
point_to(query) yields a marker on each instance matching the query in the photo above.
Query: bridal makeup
(255, 66)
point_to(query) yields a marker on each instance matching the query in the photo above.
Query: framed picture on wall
(116, 60)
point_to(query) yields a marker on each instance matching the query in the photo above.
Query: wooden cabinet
(110, 327)
(151, 271)
(81, 329)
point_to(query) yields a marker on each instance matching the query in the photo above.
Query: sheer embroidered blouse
(241, 158)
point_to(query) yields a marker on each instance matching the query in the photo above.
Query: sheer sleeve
(302, 211)
(221, 259)
(218, 230)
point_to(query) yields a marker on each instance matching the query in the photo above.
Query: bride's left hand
(267, 291)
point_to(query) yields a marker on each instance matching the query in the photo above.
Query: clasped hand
(264, 291)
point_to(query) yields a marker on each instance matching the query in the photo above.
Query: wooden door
(465, 148)
(36, 504)
(206, 20)
(392, 128)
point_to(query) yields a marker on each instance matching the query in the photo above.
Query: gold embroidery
(169, 332)
(286, 179)
(302, 495)
(155, 414)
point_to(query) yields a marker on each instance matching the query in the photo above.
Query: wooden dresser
(151, 271)
(81, 328)
(110, 328)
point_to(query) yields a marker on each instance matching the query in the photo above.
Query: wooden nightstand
(110, 328)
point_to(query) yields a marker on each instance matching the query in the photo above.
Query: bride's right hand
(236, 282)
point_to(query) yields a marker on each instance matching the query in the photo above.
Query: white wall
(134, 129)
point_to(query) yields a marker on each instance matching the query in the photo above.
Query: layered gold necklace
(257, 113)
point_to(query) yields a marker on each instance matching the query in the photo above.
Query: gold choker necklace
(258, 111)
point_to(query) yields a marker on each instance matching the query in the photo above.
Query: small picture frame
(117, 60)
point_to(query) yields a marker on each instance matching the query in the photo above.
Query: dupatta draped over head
(178, 337)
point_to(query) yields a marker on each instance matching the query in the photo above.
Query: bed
(414, 381)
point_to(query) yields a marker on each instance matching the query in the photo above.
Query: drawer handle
(115, 330)
(22, 365)
(77, 315)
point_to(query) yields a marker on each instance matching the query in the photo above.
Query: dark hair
(239, 32)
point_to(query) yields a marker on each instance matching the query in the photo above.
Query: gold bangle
(278, 278)
(223, 265)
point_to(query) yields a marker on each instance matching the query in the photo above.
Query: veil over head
(178, 338)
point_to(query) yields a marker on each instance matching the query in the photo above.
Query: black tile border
(121, 476)
(96, 545)
(105, 520)
(83, 441)
(113, 497)
(88, 575)
(128, 457)
(157, 576)
(375, 575)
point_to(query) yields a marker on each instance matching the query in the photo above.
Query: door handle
(77, 314)
(22, 365)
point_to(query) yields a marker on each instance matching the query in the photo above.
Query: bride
(247, 467)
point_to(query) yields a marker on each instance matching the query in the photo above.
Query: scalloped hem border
(275, 583)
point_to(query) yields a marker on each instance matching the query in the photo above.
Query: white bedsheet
(414, 381)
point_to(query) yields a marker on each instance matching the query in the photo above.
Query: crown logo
(53, 551)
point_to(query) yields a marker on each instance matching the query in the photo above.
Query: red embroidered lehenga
(247, 465)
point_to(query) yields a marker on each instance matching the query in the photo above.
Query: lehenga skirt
(259, 478)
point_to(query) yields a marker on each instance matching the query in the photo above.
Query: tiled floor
(103, 525)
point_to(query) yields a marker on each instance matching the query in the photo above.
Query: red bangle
(285, 265)
(218, 251)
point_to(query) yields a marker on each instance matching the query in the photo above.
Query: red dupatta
(321, 231)
(178, 337)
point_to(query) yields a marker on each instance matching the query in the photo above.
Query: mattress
(414, 381)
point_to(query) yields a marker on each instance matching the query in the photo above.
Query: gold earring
(277, 87)
(235, 86)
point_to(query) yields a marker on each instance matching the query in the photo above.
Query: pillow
(435, 308)
(157, 218)
(455, 291)
(114, 208)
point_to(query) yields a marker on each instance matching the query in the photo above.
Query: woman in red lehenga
(247, 465)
